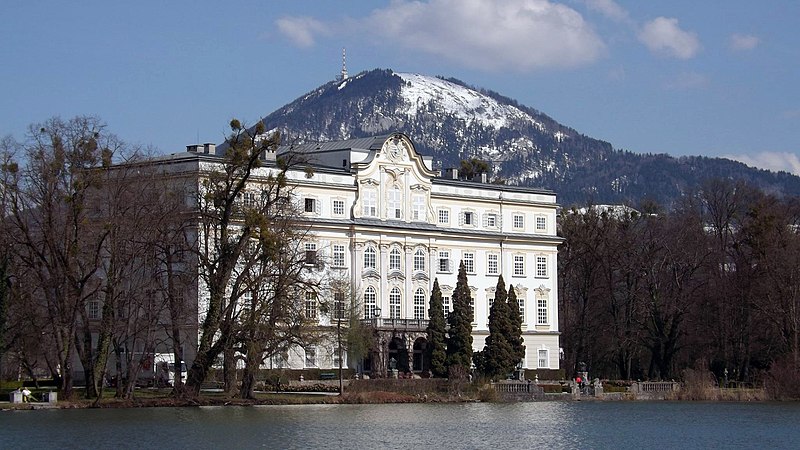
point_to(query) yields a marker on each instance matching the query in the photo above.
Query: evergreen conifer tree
(436, 352)
(459, 336)
(515, 330)
(498, 355)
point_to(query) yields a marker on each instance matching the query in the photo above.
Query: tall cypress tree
(515, 329)
(459, 336)
(497, 357)
(437, 355)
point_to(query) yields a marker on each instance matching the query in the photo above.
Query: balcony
(381, 323)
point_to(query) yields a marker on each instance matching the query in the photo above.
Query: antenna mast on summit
(344, 65)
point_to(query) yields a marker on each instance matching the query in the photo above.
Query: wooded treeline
(712, 285)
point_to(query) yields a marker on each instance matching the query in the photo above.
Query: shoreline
(372, 397)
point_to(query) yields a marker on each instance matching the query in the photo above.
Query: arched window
(394, 259)
(370, 258)
(394, 303)
(419, 304)
(419, 260)
(370, 303)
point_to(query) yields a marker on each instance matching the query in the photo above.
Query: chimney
(209, 148)
(454, 173)
(191, 148)
(483, 177)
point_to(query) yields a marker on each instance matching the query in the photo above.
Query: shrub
(783, 380)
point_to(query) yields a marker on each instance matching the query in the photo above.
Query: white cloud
(301, 30)
(776, 161)
(609, 8)
(663, 35)
(501, 35)
(742, 42)
(516, 35)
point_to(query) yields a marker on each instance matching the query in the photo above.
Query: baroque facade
(385, 221)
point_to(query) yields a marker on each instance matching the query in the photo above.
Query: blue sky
(713, 78)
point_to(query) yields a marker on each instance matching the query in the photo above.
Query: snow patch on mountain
(419, 91)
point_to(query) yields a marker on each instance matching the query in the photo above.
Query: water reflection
(455, 426)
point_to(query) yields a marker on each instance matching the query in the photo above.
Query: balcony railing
(396, 324)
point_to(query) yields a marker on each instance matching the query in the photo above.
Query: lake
(582, 425)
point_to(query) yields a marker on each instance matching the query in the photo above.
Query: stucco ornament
(395, 148)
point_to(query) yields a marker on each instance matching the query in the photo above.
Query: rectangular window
(338, 255)
(541, 266)
(418, 207)
(492, 266)
(311, 357)
(311, 305)
(444, 261)
(468, 220)
(521, 303)
(472, 309)
(338, 207)
(469, 261)
(541, 311)
(311, 254)
(519, 221)
(519, 265)
(309, 205)
(249, 199)
(491, 221)
(370, 203)
(541, 223)
(446, 306)
(543, 359)
(93, 309)
(444, 216)
(394, 204)
(338, 305)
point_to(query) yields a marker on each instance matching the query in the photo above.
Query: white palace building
(388, 223)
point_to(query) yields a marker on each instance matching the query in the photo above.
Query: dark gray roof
(367, 143)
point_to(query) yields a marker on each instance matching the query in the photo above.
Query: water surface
(601, 425)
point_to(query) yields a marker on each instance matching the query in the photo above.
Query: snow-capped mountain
(452, 121)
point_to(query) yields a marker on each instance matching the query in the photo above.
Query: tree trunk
(229, 371)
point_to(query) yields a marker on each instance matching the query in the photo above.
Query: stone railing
(518, 390)
(654, 389)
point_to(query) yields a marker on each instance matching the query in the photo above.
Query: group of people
(27, 395)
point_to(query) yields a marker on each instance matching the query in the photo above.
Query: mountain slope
(452, 121)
